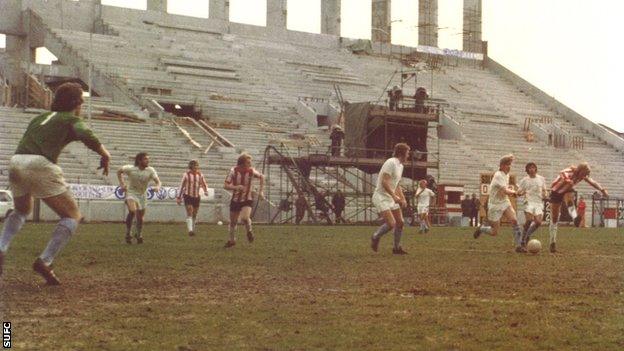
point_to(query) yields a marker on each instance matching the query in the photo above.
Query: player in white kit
(534, 188)
(423, 198)
(499, 204)
(388, 198)
(138, 177)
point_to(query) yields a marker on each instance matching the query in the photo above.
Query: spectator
(300, 208)
(321, 205)
(419, 100)
(596, 195)
(319, 202)
(466, 207)
(474, 211)
(336, 136)
(579, 221)
(394, 96)
(338, 201)
(286, 204)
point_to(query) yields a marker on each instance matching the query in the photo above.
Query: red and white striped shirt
(191, 184)
(565, 181)
(242, 176)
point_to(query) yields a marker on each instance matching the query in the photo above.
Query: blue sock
(60, 237)
(532, 228)
(398, 232)
(485, 229)
(517, 234)
(383, 229)
(12, 224)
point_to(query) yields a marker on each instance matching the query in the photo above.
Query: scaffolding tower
(315, 173)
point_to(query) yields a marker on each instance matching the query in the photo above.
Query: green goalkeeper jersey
(48, 133)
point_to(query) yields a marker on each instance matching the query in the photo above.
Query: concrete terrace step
(271, 75)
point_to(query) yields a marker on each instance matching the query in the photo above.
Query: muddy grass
(315, 288)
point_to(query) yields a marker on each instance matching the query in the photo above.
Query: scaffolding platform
(316, 175)
(321, 160)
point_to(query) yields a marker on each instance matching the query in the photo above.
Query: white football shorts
(35, 175)
(384, 203)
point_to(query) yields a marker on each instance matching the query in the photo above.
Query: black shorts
(191, 201)
(557, 198)
(238, 206)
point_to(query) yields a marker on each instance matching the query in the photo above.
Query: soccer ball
(534, 246)
(220, 223)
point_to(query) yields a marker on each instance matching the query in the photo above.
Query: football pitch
(315, 288)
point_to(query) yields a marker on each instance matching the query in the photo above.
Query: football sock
(525, 231)
(60, 237)
(553, 232)
(189, 223)
(139, 227)
(12, 224)
(194, 221)
(129, 219)
(485, 229)
(232, 231)
(247, 223)
(383, 229)
(531, 230)
(398, 232)
(517, 234)
(423, 226)
(572, 211)
(527, 224)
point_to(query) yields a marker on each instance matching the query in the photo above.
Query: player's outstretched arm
(597, 186)
(104, 159)
(510, 192)
(181, 190)
(521, 188)
(204, 185)
(261, 189)
(158, 184)
(86, 136)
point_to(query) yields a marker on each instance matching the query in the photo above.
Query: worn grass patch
(315, 288)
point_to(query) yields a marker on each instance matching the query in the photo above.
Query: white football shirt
(394, 168)
(138, 179)
(496, 199)
(424, 197)
(534, 188)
